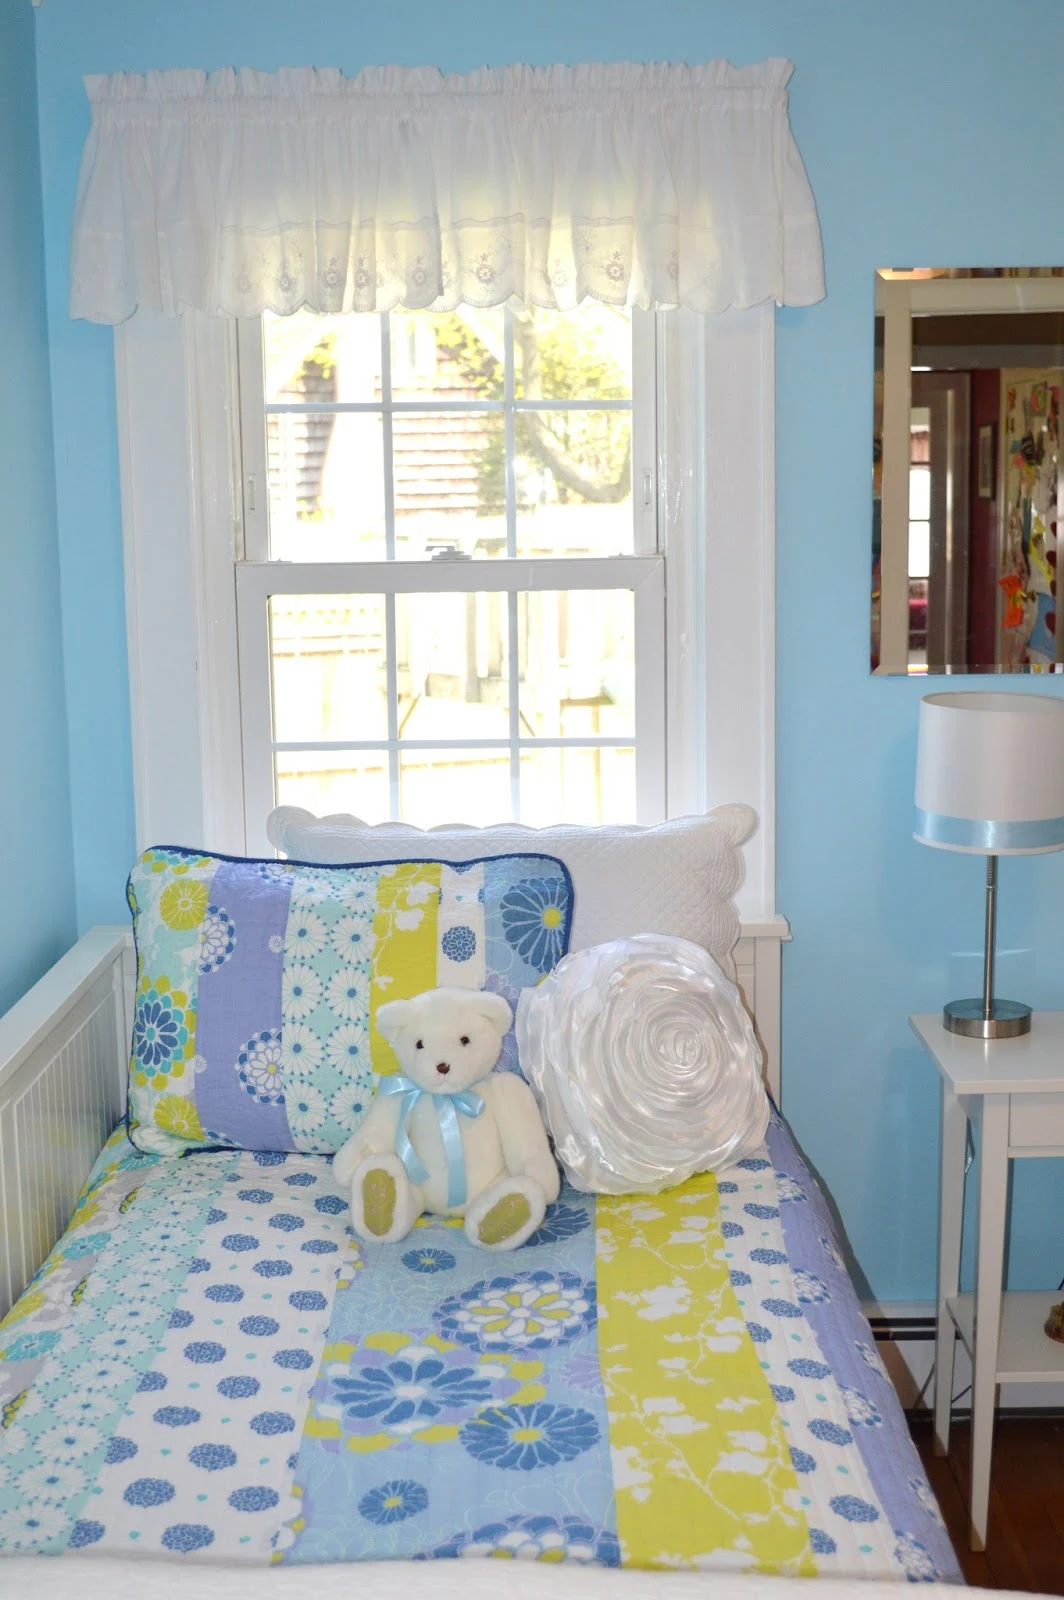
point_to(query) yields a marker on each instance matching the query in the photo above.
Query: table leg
(993, 1193)
(951, 1217)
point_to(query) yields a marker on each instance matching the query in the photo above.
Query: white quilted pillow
(677, 878)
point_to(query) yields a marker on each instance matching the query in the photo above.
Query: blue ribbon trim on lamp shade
(467, 1101)
(970, 833)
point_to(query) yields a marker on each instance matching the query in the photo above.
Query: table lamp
(990, 781)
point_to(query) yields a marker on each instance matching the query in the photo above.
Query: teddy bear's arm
(375, 1136)
(521, 1132)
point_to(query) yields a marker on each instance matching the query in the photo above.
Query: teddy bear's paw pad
(378, 1201)
(506, 1217)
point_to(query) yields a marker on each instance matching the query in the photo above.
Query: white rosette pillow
(644, 1063)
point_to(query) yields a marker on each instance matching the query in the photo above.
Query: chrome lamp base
(1007, 1019)
(988, 1018)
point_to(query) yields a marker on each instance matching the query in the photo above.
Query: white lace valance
(238, 192)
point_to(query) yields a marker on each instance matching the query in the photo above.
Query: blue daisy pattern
(534, 915)
(429, 1261)
(27, 1346)
(459, 943)
(259, 1067)
(524, 1438)
(306, 934)
(351, 937)
(529, 1311)
(394, 1501)
(402, 1394)
(535, 1538)
(160, 1033)
(561, 1222)
(217, 939)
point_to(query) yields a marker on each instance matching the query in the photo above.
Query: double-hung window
(451, 602)
(459, 567)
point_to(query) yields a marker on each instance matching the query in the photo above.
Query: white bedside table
(1014, 1088)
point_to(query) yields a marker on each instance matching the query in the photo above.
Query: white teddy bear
(447, 1134)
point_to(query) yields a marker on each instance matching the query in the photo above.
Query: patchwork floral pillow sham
(258, 983)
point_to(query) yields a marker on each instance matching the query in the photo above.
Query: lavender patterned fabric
(240, 1002)
(831, 1308)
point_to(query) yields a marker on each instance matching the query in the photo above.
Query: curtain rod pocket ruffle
(236, 192)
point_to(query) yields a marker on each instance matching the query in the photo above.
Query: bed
(209, 1368)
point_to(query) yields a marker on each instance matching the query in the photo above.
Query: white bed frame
(64, 1049)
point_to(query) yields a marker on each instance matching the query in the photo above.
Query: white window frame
(183, 528)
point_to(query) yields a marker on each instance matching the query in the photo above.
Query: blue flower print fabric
(210, 1365)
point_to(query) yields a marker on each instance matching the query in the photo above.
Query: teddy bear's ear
(494, 1009)
(391, 1018)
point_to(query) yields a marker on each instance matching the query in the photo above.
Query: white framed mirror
(966, 470)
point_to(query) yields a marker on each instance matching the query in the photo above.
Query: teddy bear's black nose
(444, 1067)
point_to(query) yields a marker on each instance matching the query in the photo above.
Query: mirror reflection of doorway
(938, 520)
(967, 470)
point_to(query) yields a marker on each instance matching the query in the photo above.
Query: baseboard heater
(903, 1329)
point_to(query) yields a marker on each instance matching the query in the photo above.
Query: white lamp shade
(990, 773)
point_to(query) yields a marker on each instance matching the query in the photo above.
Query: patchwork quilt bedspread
(209, 1364)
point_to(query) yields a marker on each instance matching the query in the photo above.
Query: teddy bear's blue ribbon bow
(467, 1101)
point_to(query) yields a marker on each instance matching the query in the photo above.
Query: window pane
(577, 663)
(452, 675)
(453, 666)
(450, 483)
(450, 355)
(309, 357)
(571, 468)
(573, 355)
(327, 781)
(326, 486)
(441, 786)
(574, 483)
(574, 785)
(329, 667)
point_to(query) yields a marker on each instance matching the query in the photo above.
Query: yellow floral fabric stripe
(404, 952)
(702, 1473)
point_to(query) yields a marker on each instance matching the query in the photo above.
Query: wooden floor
(1025, 1543)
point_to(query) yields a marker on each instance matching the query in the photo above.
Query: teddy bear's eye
(464, 1038)
(420, 1046)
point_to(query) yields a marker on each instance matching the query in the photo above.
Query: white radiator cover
(63, 1050)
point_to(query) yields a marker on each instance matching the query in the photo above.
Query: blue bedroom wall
(921, 127)
(37, 904)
